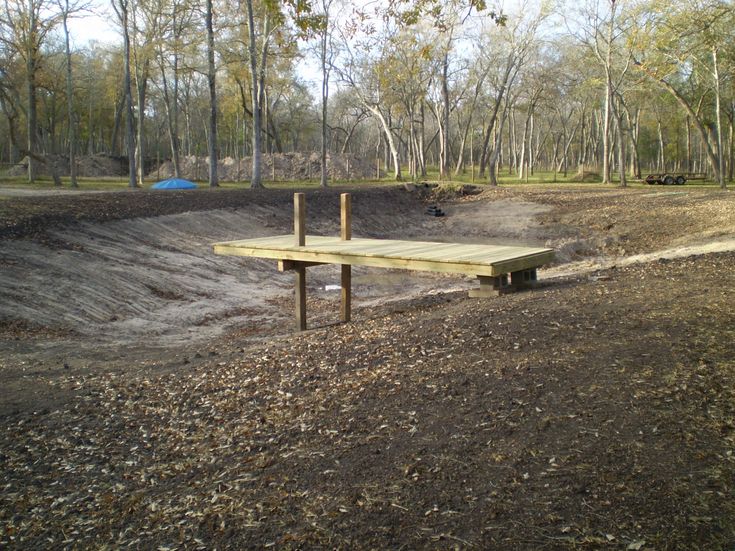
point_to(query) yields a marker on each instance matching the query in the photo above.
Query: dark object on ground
(669, 179)
(434, 210)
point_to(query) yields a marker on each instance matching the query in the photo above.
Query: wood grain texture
(299, 218)
(345, 209)
(487, 260)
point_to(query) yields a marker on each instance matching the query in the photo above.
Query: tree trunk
(704, 142)
(391, 143)
(492, 172)
(421, 146)
(171, 124)
(170, 102)
(129, 122)
(325, 96)
(256, 176)
(460, 156)
(444, 159)
(522, 162)
(511, 70)
(718, 121)
(606, 134)
(621, 146)
(70, 102)
(634, 135)
(211, 80)
(661, 153)
(141, 85)
(564, 161)
(32, 116)
(731, 148)
(119, 108)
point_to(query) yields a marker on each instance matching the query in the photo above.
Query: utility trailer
(673, 178)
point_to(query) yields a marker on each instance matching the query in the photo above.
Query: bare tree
(326, 58)
(24, 27)
(257, 84)
(122, 9)
(69, 9)
(211, 81)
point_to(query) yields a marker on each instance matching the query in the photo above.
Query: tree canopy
(611, 86)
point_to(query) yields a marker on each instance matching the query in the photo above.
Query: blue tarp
(174, 183)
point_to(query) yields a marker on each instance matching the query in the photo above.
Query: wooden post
(300, 271)
(299, 218)
(346, 235)
(345, 204)
(299, 228)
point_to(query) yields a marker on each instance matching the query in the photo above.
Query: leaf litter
(591, 413)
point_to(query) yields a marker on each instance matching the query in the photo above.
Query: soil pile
(90, 166)
(87, 166)
(277, 166)
(586, 176)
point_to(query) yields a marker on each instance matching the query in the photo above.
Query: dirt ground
(156, 396)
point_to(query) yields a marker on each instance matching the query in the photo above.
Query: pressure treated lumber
(299, 218)
(490, 263)
(475, 260)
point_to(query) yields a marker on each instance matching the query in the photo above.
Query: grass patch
(118, 183)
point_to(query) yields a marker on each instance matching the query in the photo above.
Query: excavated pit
(156, 280)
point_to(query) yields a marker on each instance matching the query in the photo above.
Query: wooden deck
(499, 269)
(476, 260)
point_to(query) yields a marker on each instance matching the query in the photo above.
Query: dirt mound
(586, 176)
(102, 165)
(446, 191)
(90, 166)
(277, 166)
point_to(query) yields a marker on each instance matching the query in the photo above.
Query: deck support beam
(299, 267)
(492, 286)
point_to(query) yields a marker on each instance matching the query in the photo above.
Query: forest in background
(620, 87)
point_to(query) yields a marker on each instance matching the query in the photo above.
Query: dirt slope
(156, 278)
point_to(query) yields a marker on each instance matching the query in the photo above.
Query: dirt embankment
(88, 166)
(276, 166)
(148, 272)
(133, 265)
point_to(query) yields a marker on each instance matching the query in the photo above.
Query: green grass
(538, 178)
(121, 183)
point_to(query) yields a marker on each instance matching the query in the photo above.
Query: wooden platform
(499, 269)
(476, 260)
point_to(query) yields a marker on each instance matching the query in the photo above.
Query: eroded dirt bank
(154, 279)
(595, 411)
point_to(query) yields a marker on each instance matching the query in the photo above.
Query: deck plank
(468, 259)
